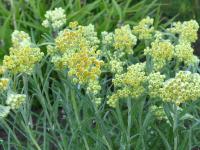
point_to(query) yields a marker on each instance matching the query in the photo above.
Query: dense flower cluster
(161, 52)
(129, 84)
(187, 30)
(23, 55)
(121, 41)
(54, 18)
(184, 53)
(124, 40)
(155, 82)
(118, 45)
(14, 101)
(184, 87)
(76, 49)
(4, 84)
(144, 29)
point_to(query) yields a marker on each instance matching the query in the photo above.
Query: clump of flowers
(144, 29)
(23, 55)
(129, 84)
(14, 101)
(117, 46)
(124, 40)
(54, 18)
(76, 49)
(4, 84)
(116, 66)
(187, 30)
(161, 51)
(184, 87)
(155, 82)
(184, 53)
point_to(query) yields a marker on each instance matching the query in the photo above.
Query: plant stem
(77, 117)
(175, 127)
(129, 124)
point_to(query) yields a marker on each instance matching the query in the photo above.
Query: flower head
(4, 84)
(187, 30)
(55, 18)
(15, 100)
(144, 29)
(129, 84)
(184, 53)
(184, 87)
(23, 55)
(124, 40)
(155, 82)
(161, 52)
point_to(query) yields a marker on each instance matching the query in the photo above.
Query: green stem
(100, 122)
(129, 124)
(77, 117)
(175, 127)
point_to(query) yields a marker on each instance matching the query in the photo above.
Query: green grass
(58, 116)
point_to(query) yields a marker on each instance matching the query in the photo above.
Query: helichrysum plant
(133, 64)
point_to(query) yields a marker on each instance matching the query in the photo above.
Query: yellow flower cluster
(84, 65)
(3, 84)
(184, 87)
(55, 18)
(124, 40)
(129, 84)
(23, 55)
(155, 82)
(20, 39)
(144, 29)
(118, 45)
(14, 101)
(116, 66)
(184, 53)
(107, 38)
(161, 51)
(76, 49)
(187, 30)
